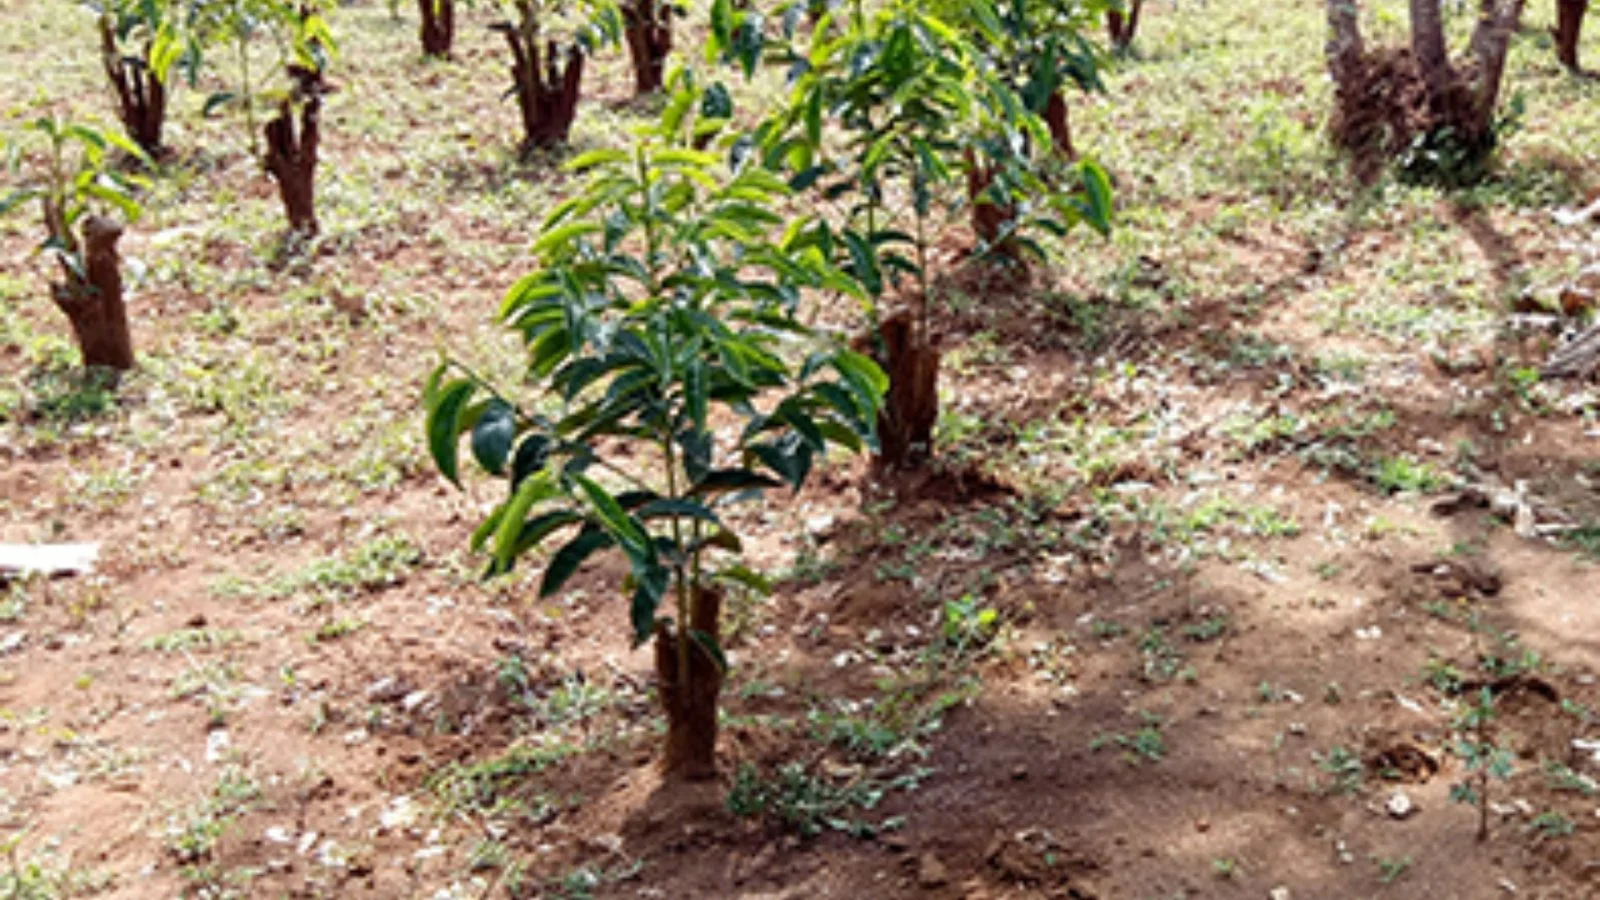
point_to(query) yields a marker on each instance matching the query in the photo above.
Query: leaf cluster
(69, 169)
(663, 318)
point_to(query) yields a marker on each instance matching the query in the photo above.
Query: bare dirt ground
(1194, 603)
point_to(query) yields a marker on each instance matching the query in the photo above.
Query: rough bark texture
(991, 222)
(649, 36)
(691, 708)
(141, 97)
(1055, 116)
(291, 158)
(1569, 31)
(1491, 42)
(92, 301)
(438, 27)
(910, 356)
(1345, 50)
(1123, 27)
(547, 92)
(1428, 49)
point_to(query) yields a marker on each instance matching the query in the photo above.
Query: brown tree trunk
(1491, 41)
(992, 222)
(291, 159)
(92, 300)
(1569, 31)
(141, 97)
(689, 681)
(1345, 50)
(905, 424)
(547, 92)
(1433, 59)
(438, 27)
(649, 36)
(1124, 26)
(1056, 117)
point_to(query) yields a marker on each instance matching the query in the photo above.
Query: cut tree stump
(291, 158)
(546, 91)
(691, 752)
(910, 356)
(438, 30)
(93, 302)
(649, 36)
(141, 97)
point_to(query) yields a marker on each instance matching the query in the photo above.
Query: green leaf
(789, 457)
(651, 587)
(746, 577)
(616, 521)
(721, 538)
(564, 564)
(493, 435)
(536, 529)
(16, 198)
(712, 649)
(721, 481)
(530, 457)
(557, 240)
(444, 426)
(487, 528)
(215, 102)
(596, 158)
(668, 507)
(508, 533)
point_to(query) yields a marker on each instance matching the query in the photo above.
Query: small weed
(1107, 629)
(969, 625)
(1585, 540)
(193, 834)
(1207, 629)
(807, 803)
(1402, 474)
(336, 629)
(1550, 825)
(1343, 768)
(1160, 661)
(1390, 868)
(192, 639)
(1148, 743)
(1444, 676)
(1560, 777)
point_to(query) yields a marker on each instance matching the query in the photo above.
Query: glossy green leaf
(444, 426)
(493, 435)
(566, 561)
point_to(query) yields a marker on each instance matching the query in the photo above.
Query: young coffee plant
(911, 104)
(547, 73)
(141, 41)
(299, 32)
(1483, 757)
(663, 317)
(83, 200)
(291, 157)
